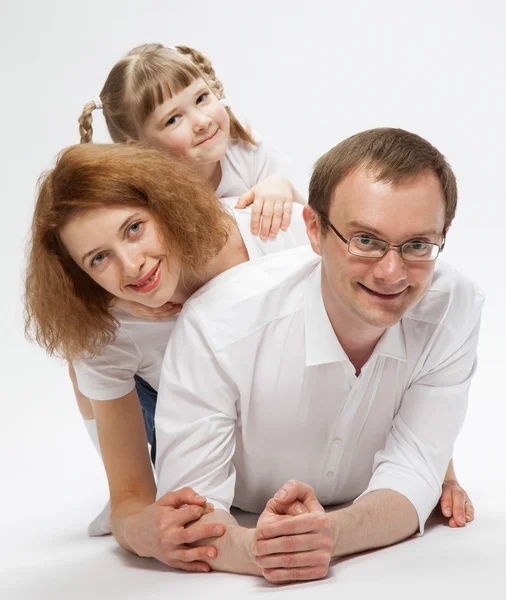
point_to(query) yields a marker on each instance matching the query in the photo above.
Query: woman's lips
(153, 279)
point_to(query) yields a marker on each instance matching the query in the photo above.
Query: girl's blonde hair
(66, 311)
(146, 77)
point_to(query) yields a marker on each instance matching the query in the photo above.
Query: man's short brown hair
(394, 155)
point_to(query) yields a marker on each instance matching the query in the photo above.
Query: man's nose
(391, 267)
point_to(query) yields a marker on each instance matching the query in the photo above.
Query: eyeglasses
(369, 247)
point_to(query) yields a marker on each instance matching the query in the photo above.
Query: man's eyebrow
(358, 225)
(122, 226)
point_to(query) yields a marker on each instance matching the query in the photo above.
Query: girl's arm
(272, 200)
(455, 503)
(139, 524)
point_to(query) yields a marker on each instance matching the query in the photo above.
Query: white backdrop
(305, 75)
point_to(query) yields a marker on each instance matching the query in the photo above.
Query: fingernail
(280, 495)
(298, 509)
(254, 549)
(199, 497)
(447, 512)
(210, 553)
(258, 535)
(217, 530)
(468, 518)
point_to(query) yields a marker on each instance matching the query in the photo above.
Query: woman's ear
(132, 142)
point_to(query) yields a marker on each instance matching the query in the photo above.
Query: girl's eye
(135, 227)
(97, 259)
(202, 97)
(172, 120)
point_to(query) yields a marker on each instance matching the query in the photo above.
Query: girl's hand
(456, 504)
(147, 312)
(272, 201)
(160, 531)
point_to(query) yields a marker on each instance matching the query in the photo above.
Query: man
(344, 369)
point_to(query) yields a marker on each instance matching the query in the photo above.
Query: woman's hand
(147, 312)
(456, 504)
(160, 531)
(272, 201)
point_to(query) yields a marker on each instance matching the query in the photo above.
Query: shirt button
(330, 473)
(337, 441)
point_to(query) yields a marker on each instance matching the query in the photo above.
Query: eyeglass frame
(388, 245)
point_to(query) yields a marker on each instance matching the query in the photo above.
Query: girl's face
(122, 250)
(192, 125)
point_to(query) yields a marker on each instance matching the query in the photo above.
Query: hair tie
(98, 103)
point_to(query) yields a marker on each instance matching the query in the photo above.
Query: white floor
(54, 484)
(60, 562)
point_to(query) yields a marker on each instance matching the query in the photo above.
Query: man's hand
(160, 531)
(293, 540)
(456, 504)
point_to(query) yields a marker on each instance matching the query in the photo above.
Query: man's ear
(313, 228)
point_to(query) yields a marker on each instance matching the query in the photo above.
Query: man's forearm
(377, 519)
(234, 548)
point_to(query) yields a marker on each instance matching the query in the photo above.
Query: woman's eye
(202, 97)
(135, 227)
(97, 259)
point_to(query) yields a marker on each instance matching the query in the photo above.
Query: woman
(116, 224)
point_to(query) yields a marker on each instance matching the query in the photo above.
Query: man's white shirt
(256, 389)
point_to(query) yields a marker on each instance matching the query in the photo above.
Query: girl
(171, 99)
(124, 222)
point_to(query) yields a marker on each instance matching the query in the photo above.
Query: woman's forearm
(122, 511)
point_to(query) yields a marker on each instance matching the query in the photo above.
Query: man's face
(377, 291)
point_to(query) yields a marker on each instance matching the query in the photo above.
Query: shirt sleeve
(195, 417)
(109, 375)
(420, 444)
(270, 161)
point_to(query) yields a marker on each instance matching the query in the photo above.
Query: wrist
(336, 524)
(123, 530)
(243, 538)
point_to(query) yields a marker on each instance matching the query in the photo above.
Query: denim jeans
(147, 397)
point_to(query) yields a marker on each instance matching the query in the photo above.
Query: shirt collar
(322, 345)
(392, 343)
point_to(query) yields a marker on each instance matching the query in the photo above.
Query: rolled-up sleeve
(195, 417)
(420, 444)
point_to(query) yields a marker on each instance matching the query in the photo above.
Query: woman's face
(122, 250)
(192, 125)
